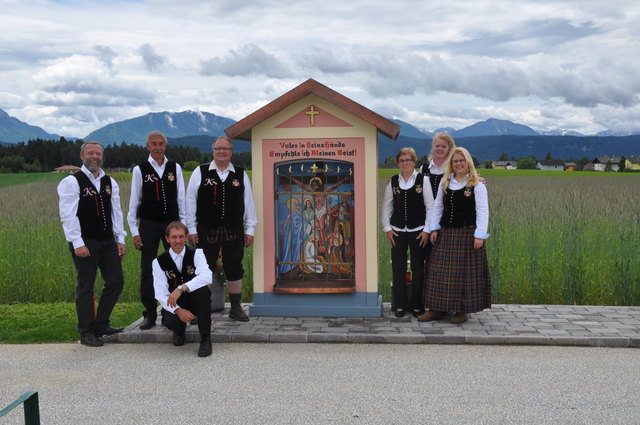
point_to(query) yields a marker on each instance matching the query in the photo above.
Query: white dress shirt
(69, 193)
(387, 202)
(433, 168)
(136, 193)
(161, 285)
(250, 218)
(482, 207)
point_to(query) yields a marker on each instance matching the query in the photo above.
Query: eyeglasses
(222, 149)
(405, 160)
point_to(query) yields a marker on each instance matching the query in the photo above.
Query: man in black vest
(157, 199)
(181, 277)
(221, 216)
(91, 217)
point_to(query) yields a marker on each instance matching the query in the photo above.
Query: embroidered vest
(408, 205)
(176, 277)
(459, 208)
(220, 204)
(94, 209)
(159, 195)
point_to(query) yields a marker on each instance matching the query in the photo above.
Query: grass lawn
(28, 323)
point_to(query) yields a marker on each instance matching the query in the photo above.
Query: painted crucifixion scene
(314, 226)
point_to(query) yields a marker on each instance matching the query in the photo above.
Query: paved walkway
(504, 324)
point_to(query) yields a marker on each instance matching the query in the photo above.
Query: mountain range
(485, 139)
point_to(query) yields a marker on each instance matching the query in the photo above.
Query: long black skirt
(458, 278)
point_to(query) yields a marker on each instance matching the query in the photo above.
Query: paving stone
(288, 337)
(502, 324)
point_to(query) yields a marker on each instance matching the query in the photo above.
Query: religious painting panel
(314, 214)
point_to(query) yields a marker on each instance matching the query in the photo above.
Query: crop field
(559, 239)
(555, 239)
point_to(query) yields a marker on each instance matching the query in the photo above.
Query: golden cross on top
(314, 168)
(312, 115)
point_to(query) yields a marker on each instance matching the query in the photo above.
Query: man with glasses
(221, 216)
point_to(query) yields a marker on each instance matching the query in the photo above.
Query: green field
(568, 238)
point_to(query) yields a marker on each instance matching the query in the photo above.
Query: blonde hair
(473, 179)
(446, 137)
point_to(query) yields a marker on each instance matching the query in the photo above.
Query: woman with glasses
(405, 210)
(458, 278)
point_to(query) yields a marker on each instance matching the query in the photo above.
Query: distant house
(600, 163)
(632, 163)
(570, 166)
(504, 165)
(550, 165)
(589, 166)
(66, 169)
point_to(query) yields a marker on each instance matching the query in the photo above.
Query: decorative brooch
(418, 188)
(171, 177)
(107, 189)
(467, 191)
(170, 274)
(191, 270)
(235, 183)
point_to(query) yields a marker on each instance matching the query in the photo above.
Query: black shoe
(90, 340)
(178, 338)
(399, 313)
(417, 313)
(148, 323)
(205, 346)
(108, 331)
(238, 314)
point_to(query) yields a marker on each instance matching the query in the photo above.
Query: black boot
(205, 346)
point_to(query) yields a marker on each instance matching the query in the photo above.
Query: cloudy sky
(72, 66)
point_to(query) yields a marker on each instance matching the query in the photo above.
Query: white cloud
(543, 64)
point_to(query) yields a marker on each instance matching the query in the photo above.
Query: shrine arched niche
(314, 210)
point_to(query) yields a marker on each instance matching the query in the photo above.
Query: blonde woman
(458, 278)
(441, 146)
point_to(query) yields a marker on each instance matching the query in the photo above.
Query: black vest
(94, 209)
(220, 204)
(408, 205)
(434, 179)
(459, 208)
(176, 277)
(159, 195)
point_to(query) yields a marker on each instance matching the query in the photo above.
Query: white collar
(180, 254)
(212, 166)
(89, 174)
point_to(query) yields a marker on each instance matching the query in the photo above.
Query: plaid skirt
(458, 278)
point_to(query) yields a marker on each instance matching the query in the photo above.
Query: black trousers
(404, 241)
(104, 256)
(212, 240)
(151, 233)
(197, 302)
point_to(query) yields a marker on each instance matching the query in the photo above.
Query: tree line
(37, 156)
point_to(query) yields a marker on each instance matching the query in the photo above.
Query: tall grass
(35, 262)
(569, 240)
(559, 240)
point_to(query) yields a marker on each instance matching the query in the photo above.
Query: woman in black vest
(407, 200)
(458, 279)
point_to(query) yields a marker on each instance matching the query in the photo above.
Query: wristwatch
(181, 288)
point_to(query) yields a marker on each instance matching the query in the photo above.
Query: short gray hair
(157, 133)
(85, 144)
(221, 138)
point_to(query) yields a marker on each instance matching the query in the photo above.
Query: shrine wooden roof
(242, 129)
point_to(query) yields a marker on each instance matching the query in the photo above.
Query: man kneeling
(180, 278)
